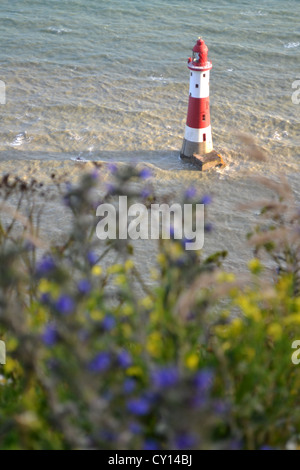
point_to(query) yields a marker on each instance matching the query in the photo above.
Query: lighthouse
(197, 144)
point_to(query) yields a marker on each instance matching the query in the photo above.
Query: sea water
(108, 81)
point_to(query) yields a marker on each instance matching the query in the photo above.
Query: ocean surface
(108, 81)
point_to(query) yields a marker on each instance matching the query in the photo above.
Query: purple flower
(204, 380)
(235, 444)
(206, 199)
(129, 385)
(107, 435)
(135, 427)
(84, 286)
(266, 448)
(29, 246)
(83, 335)
(45, 266)
(110, 188)
(208, 227)
(124, 359)
(108, 322)
(150, 444)
(190, 192)
(185, 441)
(138, 406)
(165, 377)
(50, 335)
(145, 193)
(95, 174)
(145, 173)
(112, 168)
(100, 363)
(92, 258)
(65, 305)
(45, 298)
(220, 407)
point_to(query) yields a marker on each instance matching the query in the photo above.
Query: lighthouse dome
(200, 51)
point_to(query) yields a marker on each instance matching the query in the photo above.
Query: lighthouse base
(205, 162)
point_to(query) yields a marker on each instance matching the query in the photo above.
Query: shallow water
(95, 80)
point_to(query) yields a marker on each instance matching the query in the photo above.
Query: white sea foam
(292, 45)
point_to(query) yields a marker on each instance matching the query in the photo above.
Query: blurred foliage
(99, 359)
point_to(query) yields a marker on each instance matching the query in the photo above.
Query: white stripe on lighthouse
(202, 80)
(196, 135)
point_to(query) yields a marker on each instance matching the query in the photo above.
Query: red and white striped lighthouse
(198, 137)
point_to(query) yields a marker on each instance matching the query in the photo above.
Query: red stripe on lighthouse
(198, 116)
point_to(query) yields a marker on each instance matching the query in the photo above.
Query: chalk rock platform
(206, 162)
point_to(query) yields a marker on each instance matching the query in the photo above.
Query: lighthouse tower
(197, 141)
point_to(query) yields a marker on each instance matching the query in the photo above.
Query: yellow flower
(249, 353)
(129, 264)
(96, 270)
(236, 327)
(154, 274)
(115, 269)
(126, 330)
(275, 331)
(225, 277)
(249, 309)
(192, 361)
(162, 260)
(226, 346)
(127, 310)
(292, 319)
(120, 280)
(44, 286)
(11, 344)
(134, 371)
(146, 302)
(12, 365)
(96, 315)
(255, 266)
(154, 344)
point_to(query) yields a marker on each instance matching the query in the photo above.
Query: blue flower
(206, 199)
(129, 385)
(208, 227)
(220, 407)
(145, 193)
(45, 298)
(190, 192)
(107, 435)
(185, 441)
(92, 258)
(124, 359)
(135, 428)
(204, 380)
(65, 305)
(100, 363)
(29, 246)
(150, 444)
(50, 335)
(95, 174)
(138, 406)
(45, 266)
(110, 188)
(145, 173)
(165, 377)
(235, 444)
(112, 168)
(108, 322)
(84, 286)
